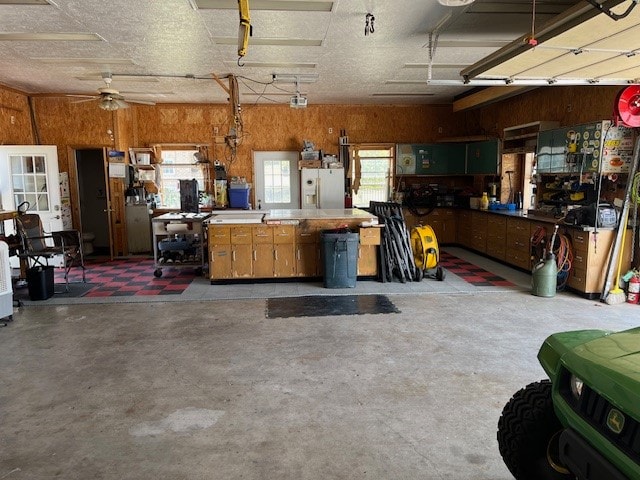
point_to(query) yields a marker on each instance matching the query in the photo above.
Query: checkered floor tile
(472, 274)
(134, 277)
(129, 277)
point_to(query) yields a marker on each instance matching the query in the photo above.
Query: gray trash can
(40, 282)
(339, 258)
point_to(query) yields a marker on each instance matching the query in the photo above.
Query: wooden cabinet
(463, 228)
(370, 238)
(496, 236)
(517, 248)
(307, 259)
(284, 262)
(230, 254)
(483, 157)
(479, 231)
(279, 251)
(590, 257)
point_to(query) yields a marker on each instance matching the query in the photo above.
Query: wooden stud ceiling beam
(489, 95)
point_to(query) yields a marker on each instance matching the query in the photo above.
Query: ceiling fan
(109, 98)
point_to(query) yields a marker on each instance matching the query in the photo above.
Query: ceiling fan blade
(88, 99)
(71, 95)
(141, 102)
(120, 102)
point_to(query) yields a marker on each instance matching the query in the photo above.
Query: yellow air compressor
(426, 254)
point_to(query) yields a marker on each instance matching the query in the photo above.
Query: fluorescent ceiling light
(469, 44)
(51, 37)
(281, 5)
(406, 82)
(271, 94)
(277, 42)
(295, 78)
(455, 3)
(93, 61)
(24, 2)
(403, 94)
(272, 64)
(140, 79)
(435, 65)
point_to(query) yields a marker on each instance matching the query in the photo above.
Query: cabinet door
(545, 143)
(263, 260)
(284, 264)
(448, 231)
(307, 259)
(451, 157)
(482, 157)
(220, 262)
(241, 261)
(463, 228)
(559, 151)
(367, 260)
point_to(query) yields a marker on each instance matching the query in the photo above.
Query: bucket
(544, 277)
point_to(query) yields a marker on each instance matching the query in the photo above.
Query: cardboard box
(310, 155)
(309, 164)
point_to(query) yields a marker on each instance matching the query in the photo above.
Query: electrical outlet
(13, 120)
(215, 130)
(330, 130)
(439, 129)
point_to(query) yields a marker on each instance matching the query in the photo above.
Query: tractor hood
(610, 365)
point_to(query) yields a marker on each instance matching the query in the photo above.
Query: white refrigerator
(322, 188)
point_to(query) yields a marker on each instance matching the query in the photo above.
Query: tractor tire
(528, 432)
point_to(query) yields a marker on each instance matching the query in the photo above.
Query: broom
(616, 295)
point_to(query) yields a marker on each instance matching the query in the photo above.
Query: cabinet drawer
(241, 235)
(519, 226)
(518, 258)
(262, 234)
(578, 279)
(283, 234)
(219, 235)
(518, 243)
(580, 240)
(306, 236)
(495, 248)
(370, 236)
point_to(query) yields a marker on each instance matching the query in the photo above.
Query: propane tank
(544, 276)
(633, 292)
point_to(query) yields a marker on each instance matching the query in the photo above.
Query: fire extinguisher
(633, 292)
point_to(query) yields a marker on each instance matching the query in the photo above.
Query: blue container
(239, 197)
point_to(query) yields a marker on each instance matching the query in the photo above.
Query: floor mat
(323, 306)
(472, 274)
(130, 277)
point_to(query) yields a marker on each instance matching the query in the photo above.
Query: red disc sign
(628, 106)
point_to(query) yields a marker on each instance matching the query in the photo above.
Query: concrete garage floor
(215, 390)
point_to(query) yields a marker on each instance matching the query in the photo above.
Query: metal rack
(178, 241)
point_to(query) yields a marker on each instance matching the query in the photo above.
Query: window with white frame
(371, 170)
(177, 165)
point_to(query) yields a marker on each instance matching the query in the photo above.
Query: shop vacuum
(544, 276)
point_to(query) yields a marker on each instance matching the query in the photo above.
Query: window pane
(177, 165)
(43, 202)
(375, 178)
(277, 185)
(39, 164)
(16, 164)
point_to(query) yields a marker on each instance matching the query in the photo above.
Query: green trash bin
(339, 258)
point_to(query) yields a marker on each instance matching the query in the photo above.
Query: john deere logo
(615, 420)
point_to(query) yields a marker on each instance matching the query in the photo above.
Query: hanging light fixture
(455, 3)
(110, 103)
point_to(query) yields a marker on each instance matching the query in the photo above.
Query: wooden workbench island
(285, 244)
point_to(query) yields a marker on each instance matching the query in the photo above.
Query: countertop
(536, 218)
(308, 214)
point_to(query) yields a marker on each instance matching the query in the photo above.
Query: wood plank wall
(567, 105)
(59, 121)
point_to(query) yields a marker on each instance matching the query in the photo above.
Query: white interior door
(29, 173)
(276, 180)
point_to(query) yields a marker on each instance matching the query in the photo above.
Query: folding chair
(37, 247)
